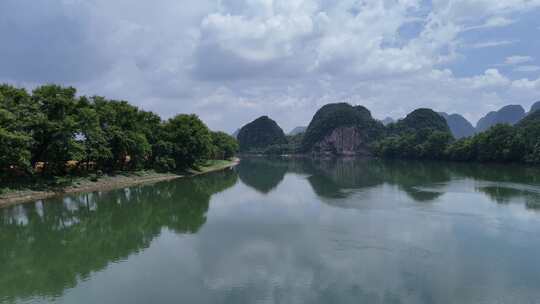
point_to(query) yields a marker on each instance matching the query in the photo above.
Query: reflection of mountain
(421, 181)
(412, 177)
(334, 178)
(262, 174)
(329, 178)
(46, 248)
(505, 193)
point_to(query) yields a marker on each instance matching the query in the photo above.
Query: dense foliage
(332, 116)
(500, 143)
(260, 134)
(418, 120)
(225, 146)
(529, 129)
(54, 132)
(423, 134)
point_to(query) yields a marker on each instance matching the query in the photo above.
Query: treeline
(54, 132)
(500, 143)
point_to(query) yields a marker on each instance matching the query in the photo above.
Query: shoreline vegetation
(53, 140)
(24, 194)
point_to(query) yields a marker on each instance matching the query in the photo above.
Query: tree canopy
(258, 135)
(52, 131)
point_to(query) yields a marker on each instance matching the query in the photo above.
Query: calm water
(276, 231)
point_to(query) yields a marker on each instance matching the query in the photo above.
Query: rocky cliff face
(343, 141)
(341, 129)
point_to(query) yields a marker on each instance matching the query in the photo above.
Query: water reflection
(422, 181)
(274, 170)
(48, 247)
(292, 231)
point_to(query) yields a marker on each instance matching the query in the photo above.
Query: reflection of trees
(410, 176)
(503, 183)
(262, 174)
(420, 180)
(504, 195)
(46, 248)
(515, 173)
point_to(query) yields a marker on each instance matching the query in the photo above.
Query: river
(285, 231)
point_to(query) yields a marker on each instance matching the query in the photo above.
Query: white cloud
(491, 78)
(527, 68)
(489, 44)
(498, 22)
(493, 22)
(230, 61)
(513, 60)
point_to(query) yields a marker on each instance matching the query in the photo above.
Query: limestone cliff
(341, 129)
(343, 141)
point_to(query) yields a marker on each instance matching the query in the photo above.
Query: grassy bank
(38, 189)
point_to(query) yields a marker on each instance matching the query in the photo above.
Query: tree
(91, 136)
(462, 150)
(529, 130)
(187, 139)
(501, 143)
(125, 134)
(52, 127)
(15, 139)
(14, 151)
(423, 134)
(224, 145)
(54, 134)
(435, 145)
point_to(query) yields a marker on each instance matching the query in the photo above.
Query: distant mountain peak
(388, 120)
(535, 107)
(235, 133)
(423, 118)
(459, 125)
(510, 114)
(298, 130)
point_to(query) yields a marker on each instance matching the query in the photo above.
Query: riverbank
(109, 182)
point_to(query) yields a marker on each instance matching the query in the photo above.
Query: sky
(231, 61)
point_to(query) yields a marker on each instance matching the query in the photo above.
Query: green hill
(529, 130)
(420, 119)
(423, 134)
(341, 128)
(259, 135)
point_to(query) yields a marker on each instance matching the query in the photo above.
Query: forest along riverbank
(109, 182)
